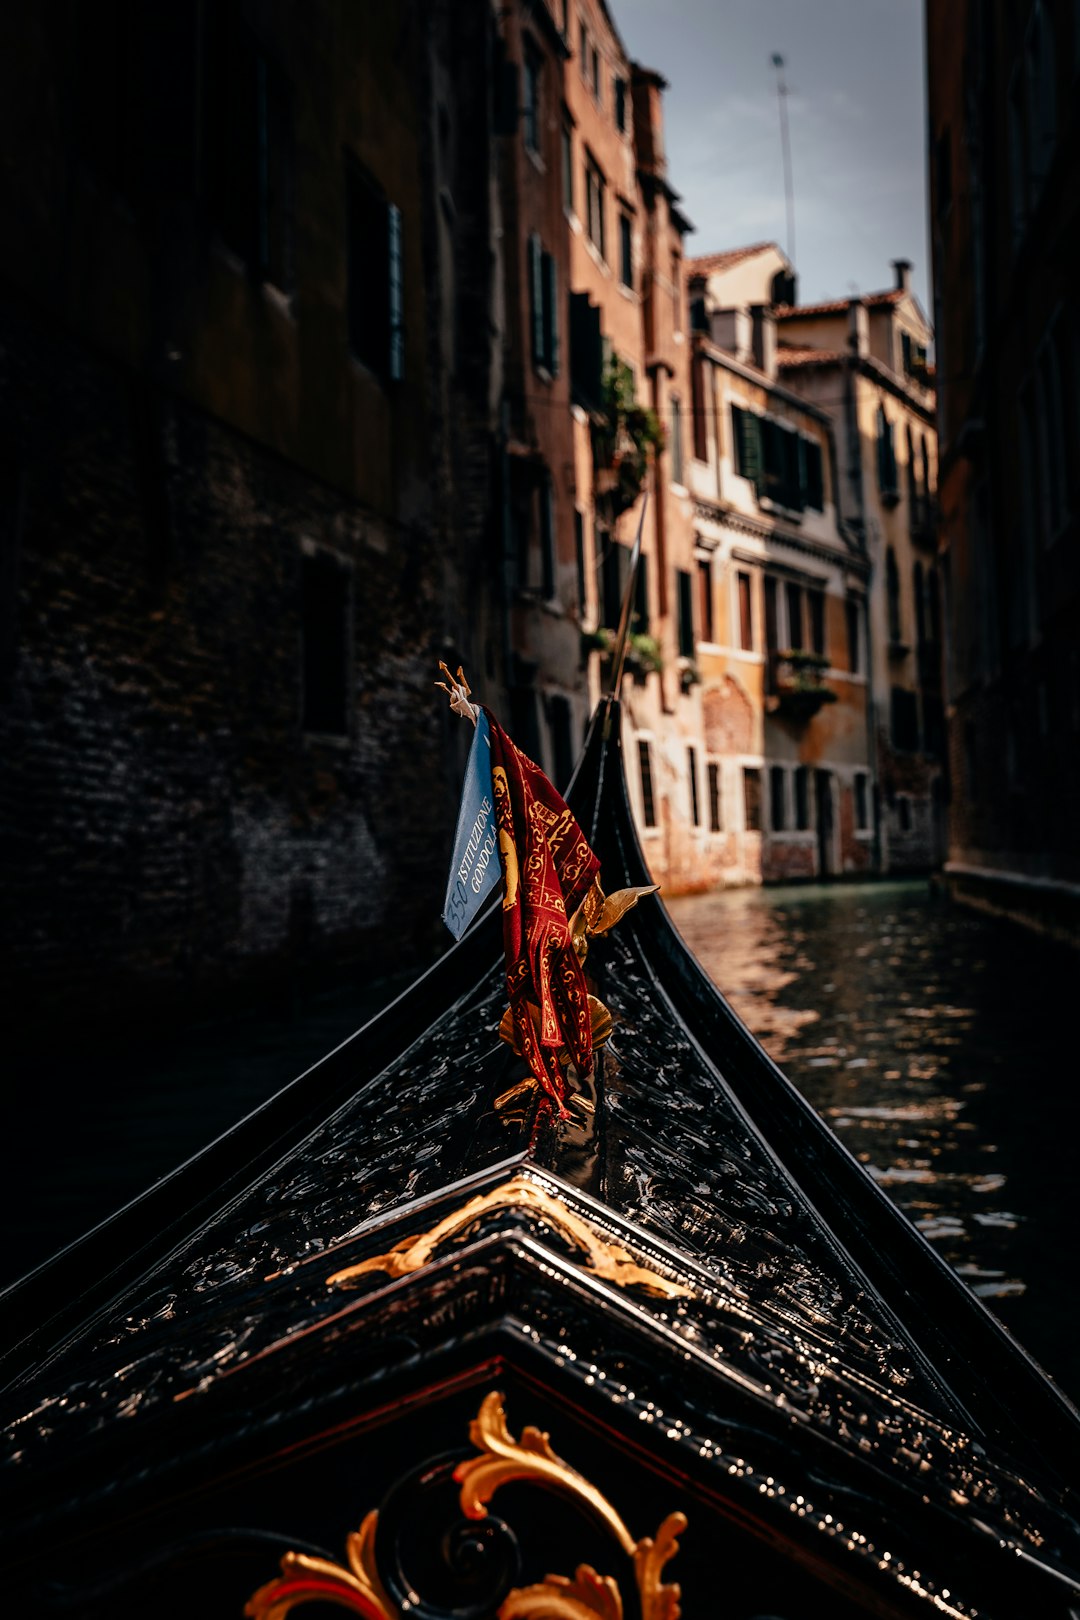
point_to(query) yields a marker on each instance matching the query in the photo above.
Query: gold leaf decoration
(588, 1596)
(304, 1579)
(503, 1459)
(618, 904)
(659, 1602)
(602, 1255)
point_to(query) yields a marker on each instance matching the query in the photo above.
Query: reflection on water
(937, 1043)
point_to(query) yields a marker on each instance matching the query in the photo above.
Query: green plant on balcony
(799, 683)
(624, 436)
(643, 655)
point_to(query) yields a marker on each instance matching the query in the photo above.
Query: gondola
(404, 1342)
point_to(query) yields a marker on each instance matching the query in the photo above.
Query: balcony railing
(798, 684)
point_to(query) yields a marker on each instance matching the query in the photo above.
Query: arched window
(892, 592)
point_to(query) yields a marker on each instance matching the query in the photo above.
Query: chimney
(764, 338)
(902, 267)
(858, 328)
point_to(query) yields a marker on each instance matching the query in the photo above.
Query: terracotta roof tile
(837, 306)
(806, 357)
(707, 262)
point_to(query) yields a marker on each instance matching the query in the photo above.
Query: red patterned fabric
(549, 868)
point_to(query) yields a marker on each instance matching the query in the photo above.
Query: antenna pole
(785, 142)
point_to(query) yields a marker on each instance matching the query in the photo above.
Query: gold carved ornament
(500, 1460)
(604, 1257)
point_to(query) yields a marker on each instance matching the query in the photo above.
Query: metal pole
(785, 142)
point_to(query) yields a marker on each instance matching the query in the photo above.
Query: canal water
(941, 1046)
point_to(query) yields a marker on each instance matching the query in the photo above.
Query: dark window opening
(716, 817)
(862, 816)
(802, 798)
(686, 614)
(816, 599)
(676, 442)
(645, 765)
(325, 643)
(777, 798)
(579, 558)
(794, 597)
(616, 574)
(851, 619)
(691, 767)
(752, 797)
(705, 600)
(567, 166)
(903, 806)
(374, 270)
(905, 719)
(641, 597)
(531, 108)
(543, 307)
(892, 594)
(547, 539)
(746, 616)
(626, 254)
(772, 643)
(620, 106)
(595, 188)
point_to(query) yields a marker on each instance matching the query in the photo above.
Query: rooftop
(708, 262)
(837, 306)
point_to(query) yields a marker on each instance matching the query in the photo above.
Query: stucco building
(1004, 141)
(864, 362)
(780, 597)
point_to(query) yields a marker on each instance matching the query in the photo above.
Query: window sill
(678, 489)
(628, 292)
(775, 509)
(596, 255)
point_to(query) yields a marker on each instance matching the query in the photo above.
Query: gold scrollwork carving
(304, 1579)
(604, 1257)
(500, 1459)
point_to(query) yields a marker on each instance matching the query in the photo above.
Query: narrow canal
(940, 1045)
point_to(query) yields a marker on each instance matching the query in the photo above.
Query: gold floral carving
(304, 1579)
(500, 1460)
(588, 1596)
(604, 1257)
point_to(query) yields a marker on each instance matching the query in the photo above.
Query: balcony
(798, 687)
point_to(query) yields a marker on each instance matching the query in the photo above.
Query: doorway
(823, 795)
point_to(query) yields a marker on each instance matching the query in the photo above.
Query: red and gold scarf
(549, 869)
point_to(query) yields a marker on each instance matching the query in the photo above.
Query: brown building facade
(1004, 137)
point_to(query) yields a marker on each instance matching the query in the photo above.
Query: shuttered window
(752, 798)
(686, 614)
(376, 305)
(543, 306)
(648, 804)
(716, 807)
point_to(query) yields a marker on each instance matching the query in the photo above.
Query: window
(648, 806)
(746, 617)
(374, 269)
(620, 106)
(892, 594)
(568, 167)
(543, 307)
(626, 254)
(772, 641)
(594, 71)
(616, 575)
(676, 441)
(691, 771)
(851, 620)
(777, 805)
(531, 108)
(746, 437)
(903, 805)
(816, 600)
(920, 604)
(676, 292)
(752, 798)
(886, 459)
(862, 817)
(547, 538)
(686, 614)
(802, 797)
(705, 599)
(716, 806)
(641, 596)
(814, 484)
(324, 633)
(794, 597)
(905, 719)
(583, 51)
(248, 147)
(579, 558)
(595, 186)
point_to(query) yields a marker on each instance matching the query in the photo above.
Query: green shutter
(748, 444)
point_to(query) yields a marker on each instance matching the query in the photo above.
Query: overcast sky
(856, 109)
